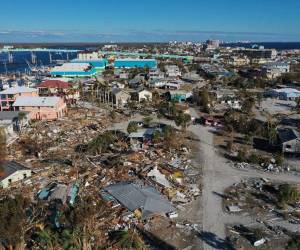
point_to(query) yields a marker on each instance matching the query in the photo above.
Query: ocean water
(19, 60)
(20, 65)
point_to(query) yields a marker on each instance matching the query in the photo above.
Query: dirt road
(218, 175)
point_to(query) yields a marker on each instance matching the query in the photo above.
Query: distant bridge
(10, 50)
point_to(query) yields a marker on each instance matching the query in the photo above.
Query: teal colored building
(135, 63)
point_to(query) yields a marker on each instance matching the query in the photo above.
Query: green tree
(46, 239)
(279, 158)
(248, 139)
(182, 120)
(132, 127)
(172, 139)
(147, 120)
(128, 240)
(248, 105)
(294, 244)
(101, 143)
(259, 98)
(259, 233)
(288, 193)
(241, 157)
(203, 99)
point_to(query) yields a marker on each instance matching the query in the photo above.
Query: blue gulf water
(267, 45)
(19, 60)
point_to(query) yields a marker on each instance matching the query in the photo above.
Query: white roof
(71, 67)
(134, 59)
(287, 90)
(17, 90)
(36, 101)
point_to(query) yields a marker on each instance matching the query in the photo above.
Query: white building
(276, 69)
(156, 74)
(144, 95)
(239, 61)
(172, 71)
(11, 172)
(88, 55)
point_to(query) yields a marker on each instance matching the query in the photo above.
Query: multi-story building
(156, 74)
(258, 53)
(239, 61)
(8, 96)
(88, 55)
(41, 108)
(59, 88)
(212, 44)
(275, 69)
(172, 71)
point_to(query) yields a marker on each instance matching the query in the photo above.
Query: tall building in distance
(212, 44)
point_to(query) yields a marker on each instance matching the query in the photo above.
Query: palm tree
(182, 120)
(128, 240)
(47, 239)
(2, 144)
(288, 193)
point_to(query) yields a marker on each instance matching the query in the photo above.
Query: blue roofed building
(179, 95)
(129, 63)
(287, 94)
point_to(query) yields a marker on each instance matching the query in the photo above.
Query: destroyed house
(289, 140)
(15, 118)
(119, 97)
(58, 88)
(139, 197)
(144, 134)
(59, 192)
(179, 95)
(11, 171)
(142, 95)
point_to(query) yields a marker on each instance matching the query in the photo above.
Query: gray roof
(17, 90)
(134, 196)
(10, 115)
(36, 101)
(10, 167)
(288, 134)
(144, 132)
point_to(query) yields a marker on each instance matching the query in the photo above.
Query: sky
(149, 21)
